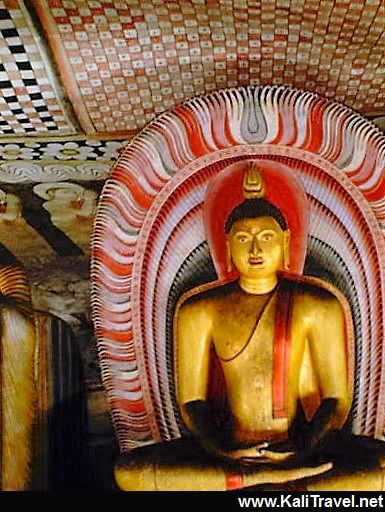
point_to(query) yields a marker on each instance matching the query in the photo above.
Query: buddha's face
(256, 247)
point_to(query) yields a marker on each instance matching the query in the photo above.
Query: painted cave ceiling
(78, 78)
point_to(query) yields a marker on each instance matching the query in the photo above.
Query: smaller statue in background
(18, 391)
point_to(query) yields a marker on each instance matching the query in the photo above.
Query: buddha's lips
(255, 261)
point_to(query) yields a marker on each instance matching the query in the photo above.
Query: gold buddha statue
(280, 344)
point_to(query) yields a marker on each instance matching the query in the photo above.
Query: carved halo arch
(149, 241)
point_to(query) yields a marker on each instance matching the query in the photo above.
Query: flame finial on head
(253, 183)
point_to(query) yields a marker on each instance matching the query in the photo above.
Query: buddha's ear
(286, 249)
(229, 261)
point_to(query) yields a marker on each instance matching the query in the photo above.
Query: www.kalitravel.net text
(311, 501)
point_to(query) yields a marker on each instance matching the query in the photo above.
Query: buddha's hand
(263, 453)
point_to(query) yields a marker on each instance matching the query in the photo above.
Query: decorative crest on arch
(253, 182)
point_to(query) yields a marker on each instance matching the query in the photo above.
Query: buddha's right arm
(193, 344)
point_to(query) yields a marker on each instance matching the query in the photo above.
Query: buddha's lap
(345, 451)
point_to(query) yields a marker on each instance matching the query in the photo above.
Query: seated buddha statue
(276, 349)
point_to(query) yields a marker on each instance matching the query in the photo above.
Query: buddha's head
(257, 233)
(255, 189)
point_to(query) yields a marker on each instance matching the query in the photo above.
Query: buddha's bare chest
(236, 322)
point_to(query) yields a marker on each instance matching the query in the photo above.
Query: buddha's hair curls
(253, 208)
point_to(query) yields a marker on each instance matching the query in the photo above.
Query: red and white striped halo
(149, 238)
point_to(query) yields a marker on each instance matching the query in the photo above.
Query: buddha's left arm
(328, 347)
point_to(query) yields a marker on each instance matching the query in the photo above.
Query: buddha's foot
(157, 477)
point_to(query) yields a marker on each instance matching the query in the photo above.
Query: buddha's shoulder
(210, 295)
(312, 291)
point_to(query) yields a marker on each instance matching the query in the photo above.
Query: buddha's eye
(266, 237)
(242, 238)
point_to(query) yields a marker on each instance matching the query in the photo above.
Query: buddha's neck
(258, 286)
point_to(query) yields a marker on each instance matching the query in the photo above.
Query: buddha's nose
(255, 249)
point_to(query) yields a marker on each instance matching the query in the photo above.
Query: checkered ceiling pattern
(29, 101)
(120, 63)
